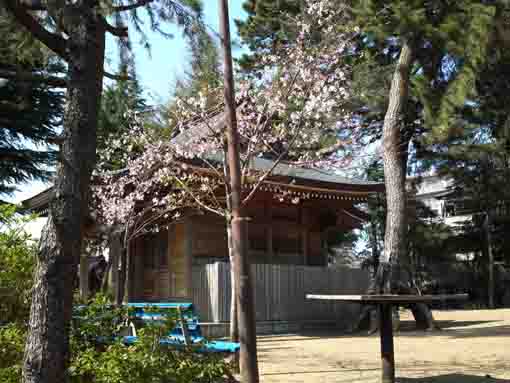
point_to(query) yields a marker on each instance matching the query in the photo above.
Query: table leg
(386, 333)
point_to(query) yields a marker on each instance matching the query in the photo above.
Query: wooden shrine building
(291, 232)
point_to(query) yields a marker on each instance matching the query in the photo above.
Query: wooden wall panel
(209, 237)
(279, 292)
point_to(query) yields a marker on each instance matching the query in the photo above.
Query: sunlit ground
(473, 347)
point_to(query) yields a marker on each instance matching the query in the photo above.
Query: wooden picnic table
(385, 302)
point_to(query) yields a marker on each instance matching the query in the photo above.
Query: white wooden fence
(279, 292)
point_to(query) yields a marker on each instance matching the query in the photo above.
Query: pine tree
(76, 32)
(203, 80)
(265, 29)
(475, 156)
(31, 110)
(122, 107)
(423, 38)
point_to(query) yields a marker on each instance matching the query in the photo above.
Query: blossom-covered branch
(280, 118)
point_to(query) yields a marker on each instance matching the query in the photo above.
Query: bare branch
(208, 163)
(140, 229)
(117, 77)
(278, 160)
(195, 198)
(262, 123)
(119, 31)
(129, 7)
(190, 108)
(331, 149)
(53, 41)
(59, 82)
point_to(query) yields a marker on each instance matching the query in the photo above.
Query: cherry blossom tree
(292, 115)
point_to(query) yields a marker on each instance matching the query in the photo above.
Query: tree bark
(490, 253)
(119, 292)
(47, 346)
(488, 235)
(396, 226)
(127, 274)
(112, 278)
(234, 322)
(247, 329)
(84, 277)
(374, 243)
(393, 274)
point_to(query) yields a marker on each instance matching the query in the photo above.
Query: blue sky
(158, 72)
(169, 57)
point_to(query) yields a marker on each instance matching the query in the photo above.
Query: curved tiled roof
(40, 202)
(283, 173)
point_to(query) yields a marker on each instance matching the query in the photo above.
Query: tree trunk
(119, 293)
(47, 346)
(487, 228)
(393, 274)
(374, 243)
(246, 315)
(490, 253)
(127, 274)
(396, 225)
(84, 277)
(234, 323)
(112, 278)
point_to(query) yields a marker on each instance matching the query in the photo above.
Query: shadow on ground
(410, 325)
(456, 329)
(453, 378)
(451, 329)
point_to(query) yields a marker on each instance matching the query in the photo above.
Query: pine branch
(59, 82)
(55, 81)
(53, 41)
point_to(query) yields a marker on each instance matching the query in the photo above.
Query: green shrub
(108, 361)
(12, 343)
(146, 361)
(17, 261)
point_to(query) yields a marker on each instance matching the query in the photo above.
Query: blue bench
(187, 331)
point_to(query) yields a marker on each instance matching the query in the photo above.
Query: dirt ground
(470, 349)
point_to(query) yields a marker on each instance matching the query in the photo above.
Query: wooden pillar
(115, 249)
(169, 250)
(188, 257)
(84, 276)
(269, 232)
(303, 222)
(387, 351)
(138, 272)
(128, 270)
